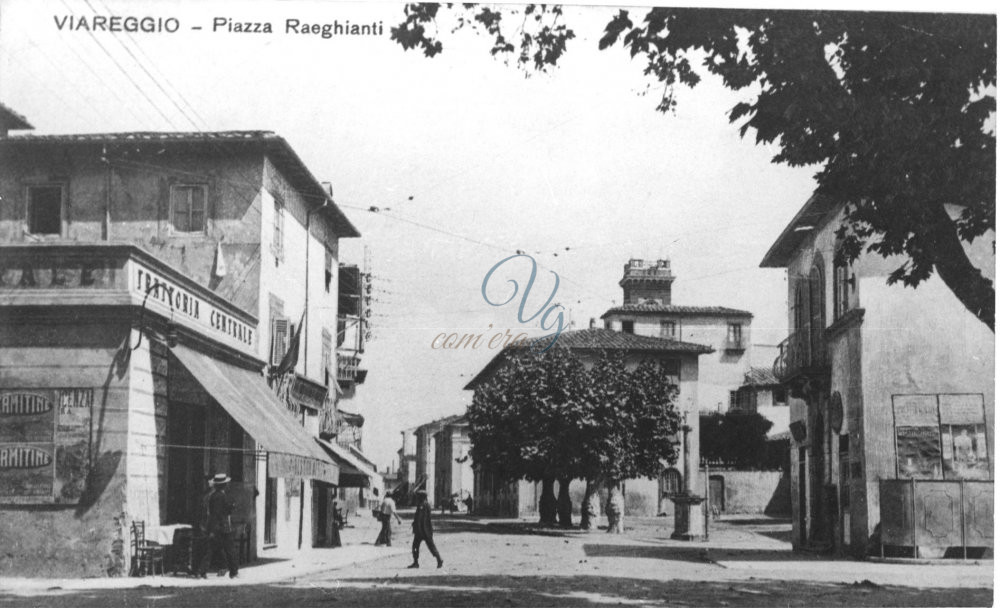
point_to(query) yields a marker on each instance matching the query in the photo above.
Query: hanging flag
(291, 358)
(220, 261)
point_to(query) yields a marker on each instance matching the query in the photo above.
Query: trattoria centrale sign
(189, 308)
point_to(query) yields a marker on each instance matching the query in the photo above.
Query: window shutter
(280, 330)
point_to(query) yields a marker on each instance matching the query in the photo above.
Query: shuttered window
(281, 330)
(188, 207)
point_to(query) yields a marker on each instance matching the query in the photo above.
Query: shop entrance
(186, 483)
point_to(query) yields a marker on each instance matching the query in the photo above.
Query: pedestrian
(387, 511)
(423, 531)
(219, 527)
(338, 524)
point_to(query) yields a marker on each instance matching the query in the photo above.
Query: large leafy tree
(897, 110)
(546, 416)
(521, 423)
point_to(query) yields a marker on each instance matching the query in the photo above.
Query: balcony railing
(349, 370)
(800, 353)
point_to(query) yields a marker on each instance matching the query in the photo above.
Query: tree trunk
(564, 505)
(547, 503)
(616, 507)
(972, 289)
(590, 510)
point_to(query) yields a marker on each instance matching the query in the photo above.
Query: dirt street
(747, 562)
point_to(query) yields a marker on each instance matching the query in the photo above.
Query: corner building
(151, 284)
(891, 398)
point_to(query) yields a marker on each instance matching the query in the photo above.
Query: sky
(467, 160)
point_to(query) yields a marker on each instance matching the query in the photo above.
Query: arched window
(817, 318)
(670, 482)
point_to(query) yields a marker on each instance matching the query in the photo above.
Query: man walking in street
(423, 531)
(219, 527)
(387, 510)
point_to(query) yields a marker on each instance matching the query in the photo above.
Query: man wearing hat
(219, 526)
(423, 531)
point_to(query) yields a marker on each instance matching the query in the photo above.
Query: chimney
(12, 121)
(593, 323)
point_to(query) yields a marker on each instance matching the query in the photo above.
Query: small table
(164, 535)
(177, 558)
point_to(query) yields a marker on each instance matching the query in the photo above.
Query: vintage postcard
(497, 304)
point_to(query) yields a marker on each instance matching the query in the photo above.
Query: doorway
(803, 493)
(186, 483)
(717, 494)
(271, 511)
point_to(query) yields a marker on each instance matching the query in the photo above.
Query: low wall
(764, 492)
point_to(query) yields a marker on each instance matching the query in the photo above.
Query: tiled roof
(149, 136)
(12, 119)
(441, 422)
(660, 309)
(760, 376)
(597, 339)
(273, 145)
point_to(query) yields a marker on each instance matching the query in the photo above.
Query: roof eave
(269, 142)
(679, 313)
(783, 249)
(692, 349)
(342, 226)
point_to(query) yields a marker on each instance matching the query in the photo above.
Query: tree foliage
(897, 110)
(518, 421)
(547, 415)
(736, 439)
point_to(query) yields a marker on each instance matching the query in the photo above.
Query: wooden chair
(146, 555)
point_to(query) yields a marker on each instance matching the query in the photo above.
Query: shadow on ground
(505, 527)
(756, 521)
(698, 554)
(499, 590)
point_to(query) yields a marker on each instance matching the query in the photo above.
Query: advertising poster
(918, 450)
(26, 450)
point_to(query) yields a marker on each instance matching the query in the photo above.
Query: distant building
(891, 393)
(648, 310)
(407, 458)
(425, 458)
(453, 476)
(762, 393)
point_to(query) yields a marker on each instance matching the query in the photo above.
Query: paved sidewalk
(357, 548)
